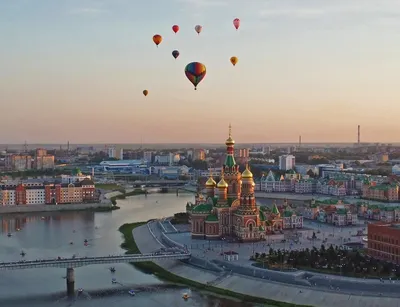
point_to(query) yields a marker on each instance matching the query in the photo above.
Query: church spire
(230, 159)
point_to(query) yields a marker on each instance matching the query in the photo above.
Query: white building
(148, 156)
(291, 220)
(169, 159)
(286, 162)
(112, 152)
(72, 179)
(35, 195)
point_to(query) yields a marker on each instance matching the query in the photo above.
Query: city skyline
(75, 70)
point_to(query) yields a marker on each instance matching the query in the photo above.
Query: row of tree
(335, 260)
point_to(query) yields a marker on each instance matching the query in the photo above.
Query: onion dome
(229, 141)
(247, 174)
(222, 183)
(210, 182)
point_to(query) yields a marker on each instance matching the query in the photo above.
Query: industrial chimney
(358, 139)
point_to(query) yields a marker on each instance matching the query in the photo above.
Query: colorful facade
(383, 192)
(24, 194)
(229, 208)
(332, 211)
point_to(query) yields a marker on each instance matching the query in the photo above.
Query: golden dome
(210, 182)
(247, 174)
(222, 183)
(229, 141)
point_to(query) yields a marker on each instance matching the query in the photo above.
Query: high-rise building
(148, 156)
(112, 152)
(287, 162)
(18, 162)
(43, 160)
(244, 153)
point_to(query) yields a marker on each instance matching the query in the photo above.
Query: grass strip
(131, 247)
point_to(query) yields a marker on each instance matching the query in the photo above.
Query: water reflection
(17, 222)
(48, 235)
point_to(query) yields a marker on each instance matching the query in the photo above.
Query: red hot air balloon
(157, 39)
(175, 53)
(236, 23)
(195, 72)
(175, 28)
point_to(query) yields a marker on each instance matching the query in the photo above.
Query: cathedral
(229, 210)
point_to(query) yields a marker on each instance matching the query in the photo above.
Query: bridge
(75, 262)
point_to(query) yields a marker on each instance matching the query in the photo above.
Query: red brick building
(20, 195)
(384, 241)
(70, 193)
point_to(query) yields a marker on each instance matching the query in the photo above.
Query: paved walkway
(258, 287)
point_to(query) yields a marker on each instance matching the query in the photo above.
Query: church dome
(210, 182)
(247, 174)
(229, 141)
(222, 183)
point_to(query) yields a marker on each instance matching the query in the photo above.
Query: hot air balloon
(175, 28)
(234, 60)
(175, 53)
(157, 39)
(236, 23)
(145, 92)
(198, 29)
(195, 72)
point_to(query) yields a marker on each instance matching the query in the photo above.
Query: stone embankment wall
(50, 208)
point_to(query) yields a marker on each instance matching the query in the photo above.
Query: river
(49, 235)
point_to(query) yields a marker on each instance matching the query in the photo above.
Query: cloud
(87, 11)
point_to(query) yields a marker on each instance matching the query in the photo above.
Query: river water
(49, 235)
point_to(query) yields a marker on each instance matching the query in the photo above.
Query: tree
(311, 173)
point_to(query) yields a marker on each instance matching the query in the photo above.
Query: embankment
(131, 247)
(104, 206)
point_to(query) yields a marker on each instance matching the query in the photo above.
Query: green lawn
(108, 186)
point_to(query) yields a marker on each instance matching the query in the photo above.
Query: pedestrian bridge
(75, 262)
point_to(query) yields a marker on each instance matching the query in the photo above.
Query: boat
(9, 234)
(80, 290)
(113, 281)
(132, 293)
(22, 253)
(112, 270)
(71, 243)
(86, 241)
(185, 296)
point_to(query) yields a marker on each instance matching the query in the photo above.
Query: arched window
(251, 227)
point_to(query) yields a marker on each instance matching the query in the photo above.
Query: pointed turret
(230, 163)
(275, 211)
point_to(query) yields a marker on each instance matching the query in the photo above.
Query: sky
(76, 69)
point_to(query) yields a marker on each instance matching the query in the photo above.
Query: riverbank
(131, 247)
(103, 206)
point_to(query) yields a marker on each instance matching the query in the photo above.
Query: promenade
(256, 286)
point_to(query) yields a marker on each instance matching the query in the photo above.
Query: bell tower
(231, 169)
